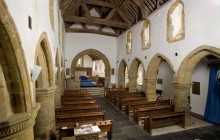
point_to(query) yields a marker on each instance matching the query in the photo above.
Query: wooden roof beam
(94, 20)
(72, 30)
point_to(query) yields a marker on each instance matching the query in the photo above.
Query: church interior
(109, 69)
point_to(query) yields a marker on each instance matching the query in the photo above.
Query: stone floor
(125, 129)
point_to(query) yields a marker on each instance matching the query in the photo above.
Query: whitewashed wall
(201, 28)
(78, 42)
(87, 61)
(200, 74)
(38, 10)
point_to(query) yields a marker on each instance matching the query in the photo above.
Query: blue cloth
(85, 82)
(212, 110)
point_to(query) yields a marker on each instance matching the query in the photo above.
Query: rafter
(71, 30)
(94, 20)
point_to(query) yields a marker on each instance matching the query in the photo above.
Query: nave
(125, 129)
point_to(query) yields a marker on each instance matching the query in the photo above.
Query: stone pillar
(57, 97)
(19, 126)
(182, 99)
(151, 89)
(45, 121)
(107, 77)
(132, 83)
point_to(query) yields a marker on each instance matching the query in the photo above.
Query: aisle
(124, 129)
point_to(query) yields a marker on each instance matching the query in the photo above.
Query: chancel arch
(96, 53)
(152, 73)
(182, 81)
(15, 92)
(122, 73)
(45, 88)
(133, 74)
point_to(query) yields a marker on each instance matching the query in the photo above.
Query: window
(175, 22)
(145, 35)
(128, 44)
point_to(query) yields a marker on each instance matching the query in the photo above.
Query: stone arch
(57, 64)
(182, 81)
(45, 89)
(97, 53)
(171, 28)
(151, 75)
(121, 72)
(12, 60)
(43, 55)
(15, 92)
(51, 11)
(133, 74)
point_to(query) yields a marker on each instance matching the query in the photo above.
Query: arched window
(51, 8)
(175, 22)
(145, 35)
(128, 44)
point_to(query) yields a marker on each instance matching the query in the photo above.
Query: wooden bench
(78, 103)
(161, 120)
(104, 127)
(72, 119)
(146, 111)
(118, 97)
(125, 101)
(77, 90)
(77, 109)
(76, 95)
(131, 107)
(73, 99)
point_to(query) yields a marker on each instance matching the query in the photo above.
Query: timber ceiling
(106, 17)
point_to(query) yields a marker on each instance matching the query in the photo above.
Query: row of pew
(153, 114)
(79, 108)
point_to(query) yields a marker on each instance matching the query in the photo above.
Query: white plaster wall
(166, 74)
(38, 10)
(200, 74)
(87, 61)
(201, 28)
(78, 42)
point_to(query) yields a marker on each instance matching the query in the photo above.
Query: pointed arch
(133, 74)
(151, 75)
(121, 72)
(97, 53)
(43, 55)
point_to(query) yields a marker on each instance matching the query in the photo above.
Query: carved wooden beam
(71, 30)
(94, 20)
(144, 10)
(99, 3)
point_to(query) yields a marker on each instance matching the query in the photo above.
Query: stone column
(132, 83)
(182, 99)
(57, 97)
(151, 89)
(107, 77)
(45, 121)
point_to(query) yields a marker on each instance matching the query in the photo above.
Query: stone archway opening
(15, 92)
(122, 74)
(152, 74)
(133, 74)
(45, 89)
(182, 81)
(105, 60)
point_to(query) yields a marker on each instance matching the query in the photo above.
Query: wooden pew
(79, 103)
(72, 119)
(118, 97)
(111, 95)
(124, 101)
(77, 109)
(161, 120)
(104, 127)
(131, 107)
(73, 99)
(77, 90)
(76, 94)
(146, 111)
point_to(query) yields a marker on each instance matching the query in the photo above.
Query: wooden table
(87, 132)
